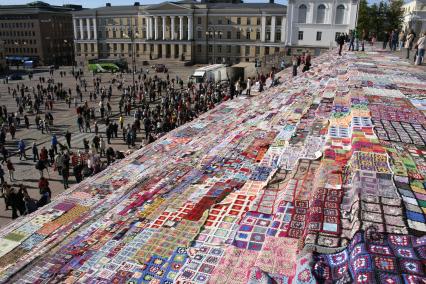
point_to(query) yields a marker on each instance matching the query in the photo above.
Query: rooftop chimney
(136, 4)
(108, 4)
(271, 1)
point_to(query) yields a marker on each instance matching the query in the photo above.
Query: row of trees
(381, 17)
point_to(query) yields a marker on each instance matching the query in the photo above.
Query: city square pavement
(65, 118)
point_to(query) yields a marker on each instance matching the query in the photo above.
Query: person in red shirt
(43, 184)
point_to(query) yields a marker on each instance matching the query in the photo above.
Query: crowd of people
(394, 40)
(143, 111)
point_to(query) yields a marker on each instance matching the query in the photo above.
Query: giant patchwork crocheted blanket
(319, 179)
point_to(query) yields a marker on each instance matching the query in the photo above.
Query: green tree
(364, 19)
(394, 14)
(380, 18)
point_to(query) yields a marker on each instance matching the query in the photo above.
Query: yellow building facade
(187, 31)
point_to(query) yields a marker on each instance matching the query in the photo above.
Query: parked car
(15, 77)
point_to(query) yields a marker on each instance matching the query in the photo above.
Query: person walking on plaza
(11, 170)
(96, 128)
(12, 130)
(341, 42)
(351, 41)
(68, 138)
(6, 193)
(65, 176)
(44, 156)
(421, 43)
(1, 175)
(54, 143)
(248, 90)
(294, 64)
(16, 200)
(21, 148)
(409, 43)
(386, 38)
(80, 123)
(401, 39)
(394, 40)
(35, 152)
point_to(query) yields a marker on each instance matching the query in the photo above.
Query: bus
(107, 65)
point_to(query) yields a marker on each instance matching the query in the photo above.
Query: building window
(321, 14)
(279, 21)
(248, 21)
(238, 21)
(268, 21)
(238, 35)
(219, 22)
(219, 48)
(228, 35)
(300, 36)
(199, 47)
(199, 20)
(302, 13)
(340, 14)
(277, 49)
(257, 50)
(238, 49)
(268, 35)
(228, 21)
(258, 35)
(210, 48)
(266, 50)
(278, 36)
(228, 49)
(257, 21)
(319, 34)
(199, 35)
(247, 50)
(248, 35)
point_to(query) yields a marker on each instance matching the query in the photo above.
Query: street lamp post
(132, 36)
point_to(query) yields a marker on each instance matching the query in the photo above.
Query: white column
(155, 27)
(147, 28)
(95, 30)
(181, 27)
(190, 27)
(151, 25)
(283, 28)
(310, 14)
(81, 29)
(263, 31)
(74, 23)
(164, 27)
(172, 23)
(273, 19)
(88, 28)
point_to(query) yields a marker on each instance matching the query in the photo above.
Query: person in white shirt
(421, 43)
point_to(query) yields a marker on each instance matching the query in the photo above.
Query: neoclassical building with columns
(201, 32)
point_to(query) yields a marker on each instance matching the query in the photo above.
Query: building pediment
(166, 6)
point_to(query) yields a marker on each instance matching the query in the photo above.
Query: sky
(100, 3)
